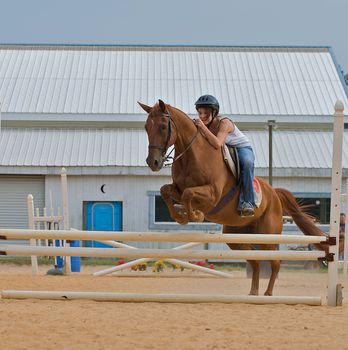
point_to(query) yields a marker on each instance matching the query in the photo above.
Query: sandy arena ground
(34, 324)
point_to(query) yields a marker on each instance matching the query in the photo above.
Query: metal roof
(128, 148)
(72, 147)
(110, 79)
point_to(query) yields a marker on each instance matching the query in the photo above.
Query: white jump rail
(160, 237)
(19, 250)
(161, 298)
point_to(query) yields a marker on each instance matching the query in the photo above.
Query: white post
(335, 201)
(37, 224)
(64, 183)
(66, 224)
(59, 223)
(31, 224)
(345, 257)
(45, 226)
(52, 214)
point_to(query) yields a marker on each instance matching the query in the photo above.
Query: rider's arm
(226, 126)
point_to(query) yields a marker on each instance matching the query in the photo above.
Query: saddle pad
(257, 192)
(229, 161)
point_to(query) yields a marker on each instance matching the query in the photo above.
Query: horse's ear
(146, 108)
(162, 106)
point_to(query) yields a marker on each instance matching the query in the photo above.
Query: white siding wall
(302, 184)
(130, 190)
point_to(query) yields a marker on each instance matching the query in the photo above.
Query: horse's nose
(153, 163)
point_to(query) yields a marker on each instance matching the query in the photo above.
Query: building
(74, 106)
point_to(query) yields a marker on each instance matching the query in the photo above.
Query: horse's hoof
(181, 221)
(268, 294)
(253, 293)
(197, 216)
(180, 209)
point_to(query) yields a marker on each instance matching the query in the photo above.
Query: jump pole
(160, 237)
(160, 298)
(18, 250)
(336, 185)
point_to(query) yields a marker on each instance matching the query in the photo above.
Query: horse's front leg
(170, 194)
(204, 195)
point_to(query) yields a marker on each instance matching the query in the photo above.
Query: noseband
(169, 135)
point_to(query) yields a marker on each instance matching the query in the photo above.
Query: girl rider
(219, 130)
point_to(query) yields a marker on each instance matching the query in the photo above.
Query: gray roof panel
(128, 147)
(109, 80)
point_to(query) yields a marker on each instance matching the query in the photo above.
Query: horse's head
(160, 133)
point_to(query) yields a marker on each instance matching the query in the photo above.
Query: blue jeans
(246, 161)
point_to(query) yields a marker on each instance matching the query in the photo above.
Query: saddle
(231, 159)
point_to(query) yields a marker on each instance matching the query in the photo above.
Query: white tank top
(237, 139)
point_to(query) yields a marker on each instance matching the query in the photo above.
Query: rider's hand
(198, 122)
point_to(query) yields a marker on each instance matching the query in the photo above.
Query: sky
(178, 22)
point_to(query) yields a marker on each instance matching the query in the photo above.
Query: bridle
(169, 135)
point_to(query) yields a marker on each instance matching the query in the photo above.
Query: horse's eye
(163, 127)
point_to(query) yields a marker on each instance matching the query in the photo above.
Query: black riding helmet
(208, 101)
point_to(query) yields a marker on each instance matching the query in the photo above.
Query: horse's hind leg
(275, 266)
(272, 223)
(255, 265)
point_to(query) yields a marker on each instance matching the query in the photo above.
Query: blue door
(103, 216)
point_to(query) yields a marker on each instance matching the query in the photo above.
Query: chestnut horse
(206, 188)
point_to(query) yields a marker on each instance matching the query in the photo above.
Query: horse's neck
(197, 151)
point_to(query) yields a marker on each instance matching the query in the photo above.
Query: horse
(204, 187)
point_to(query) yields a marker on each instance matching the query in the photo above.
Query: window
(319, 208)
(161, 211)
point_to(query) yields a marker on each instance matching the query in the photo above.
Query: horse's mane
(179, 111)
(183, 114)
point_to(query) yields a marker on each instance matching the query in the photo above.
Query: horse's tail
(301, 218)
